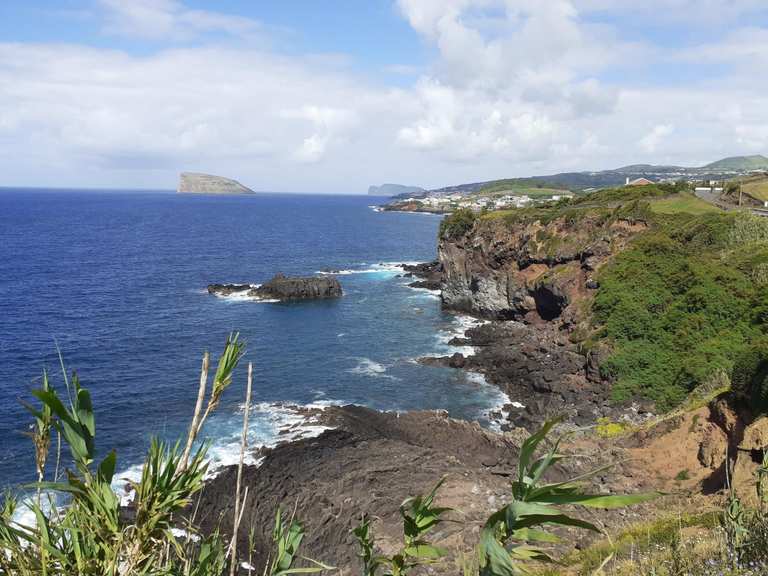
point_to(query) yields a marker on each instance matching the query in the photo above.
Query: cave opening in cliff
(549, 305)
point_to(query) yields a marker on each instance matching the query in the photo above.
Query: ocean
(117, 281)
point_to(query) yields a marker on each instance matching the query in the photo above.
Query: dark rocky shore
(533, 362)
(370, 462)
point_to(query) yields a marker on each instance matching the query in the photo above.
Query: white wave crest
(384, 268)
(270, 423)
(498, 412)
(457, 329)
(243, 296)
(368, 367)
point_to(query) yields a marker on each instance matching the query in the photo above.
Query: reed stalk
(195, 426)
(243, 446)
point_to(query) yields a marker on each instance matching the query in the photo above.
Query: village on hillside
(727, 188)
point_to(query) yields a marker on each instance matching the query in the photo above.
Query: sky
(333, 96)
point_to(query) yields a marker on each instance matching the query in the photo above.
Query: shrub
(519, 532)
(675, 310)
(749, 378)
(749, 229)
(457, 224)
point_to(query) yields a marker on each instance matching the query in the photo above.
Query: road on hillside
(714, 199)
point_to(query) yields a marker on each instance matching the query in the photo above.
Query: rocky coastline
(370, 461)
(533, 362)
(413, 206)
(531, 283)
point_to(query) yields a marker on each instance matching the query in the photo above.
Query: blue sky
(334, 96)
(371, 35)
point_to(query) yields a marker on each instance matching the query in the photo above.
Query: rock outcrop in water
(282, 287)
(228, 289)
(308, 288)
(430, 274)
(196, 183)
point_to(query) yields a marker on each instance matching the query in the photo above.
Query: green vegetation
(419, 518)
(683, 475)
(750, 375)
(457, 224)
(518, 532)
(519, 187)
(674, 307)
(682, 203)
(639, 540)
(757, 188)
(631, 193)
(731, 541)
(737, 163)
(87, 535)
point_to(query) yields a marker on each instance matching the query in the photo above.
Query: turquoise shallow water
(118, 280)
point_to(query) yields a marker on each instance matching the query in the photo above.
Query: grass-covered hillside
(520, 187)
(754, 186)
(684, 301)
(755, 162)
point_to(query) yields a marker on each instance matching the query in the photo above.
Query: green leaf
(533, 535)
(530, 553)
(531, 443)
(494, 558)
(107, 467)
(609, 501)
(85, 410)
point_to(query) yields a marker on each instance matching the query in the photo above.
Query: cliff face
(536, 269)
(528, 269)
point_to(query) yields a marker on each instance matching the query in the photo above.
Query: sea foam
(368, 367)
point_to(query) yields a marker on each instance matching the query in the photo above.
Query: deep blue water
(118, 280)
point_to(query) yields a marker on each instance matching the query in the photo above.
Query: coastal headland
(586, 306)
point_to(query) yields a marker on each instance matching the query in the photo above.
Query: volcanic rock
(282, 287)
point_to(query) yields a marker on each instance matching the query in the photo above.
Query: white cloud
(508, 83)
(326, 123)
(463, 125)
(517, 87)
(169, 20)
(650, 142)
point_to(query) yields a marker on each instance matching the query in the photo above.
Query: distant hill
(196, 183)
(394, 190)
(722, 169)
(756, 162)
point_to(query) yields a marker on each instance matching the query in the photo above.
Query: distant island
(196, 183)
(394, 190)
